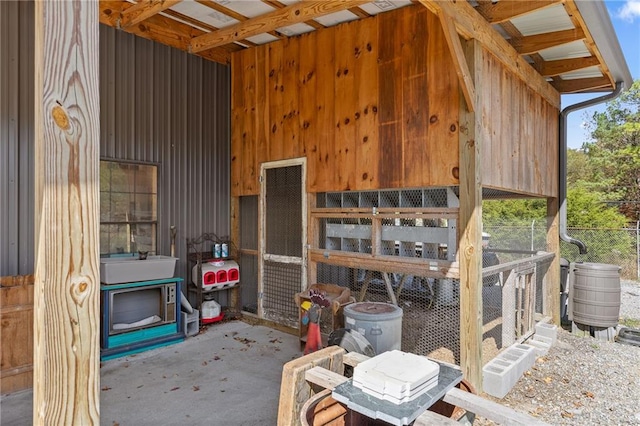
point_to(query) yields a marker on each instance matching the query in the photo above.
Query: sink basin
(117, 270)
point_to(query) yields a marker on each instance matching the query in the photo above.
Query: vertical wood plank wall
(373, 104)
(520, 134)
(16, 327)
(368, 103)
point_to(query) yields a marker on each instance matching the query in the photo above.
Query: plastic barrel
(596, 294)
(379, 323)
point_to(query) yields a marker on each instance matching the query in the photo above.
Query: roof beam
(470, 24)
(462, 68)
(211, 4)
(581, 84)
(278, 5)
(144, 9)
(505, 10)
(293, 14)
(553, 68)
(163, 30)
(535, 43)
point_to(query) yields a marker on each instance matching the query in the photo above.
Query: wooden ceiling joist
(504, 10)
(470, 24)
(581, 84)
(278, 5)
(535, 43)
(163, 30)
(293, 14)
(232, 13)
(563, 66)
(144, 10)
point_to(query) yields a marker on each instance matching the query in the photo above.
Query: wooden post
(551, 286)
(235, 299)
(470, 224)
(313, 239)
(67, 286)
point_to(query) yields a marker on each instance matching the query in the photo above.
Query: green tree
(614, 151)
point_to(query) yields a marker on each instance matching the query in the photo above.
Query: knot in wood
(60, 117)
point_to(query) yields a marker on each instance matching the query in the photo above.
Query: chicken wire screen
(407, 228)
(283, 213)
(430, 307)
(281, 283)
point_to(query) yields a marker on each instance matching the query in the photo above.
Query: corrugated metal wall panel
(16, 138)
(171, 108)
(158, 105)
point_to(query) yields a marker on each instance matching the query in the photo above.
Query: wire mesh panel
(431, 310)
(283, 233)
(281, 283)
(284, 211)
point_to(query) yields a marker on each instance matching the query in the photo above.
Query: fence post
(638, 250)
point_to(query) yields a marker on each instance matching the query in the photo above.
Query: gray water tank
(379, 323)
(596, 294)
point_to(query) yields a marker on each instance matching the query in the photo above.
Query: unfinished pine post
(67, 285)
(551, 282)
(470, 224)
(235, 239)
(313, 239)
(509, 309)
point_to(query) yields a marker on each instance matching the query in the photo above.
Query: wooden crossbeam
(505, 10)
(581, 84)
(293, 14)
(211, 4)
(553, 68)
(144, 10)
(535, 43)
(279, 5)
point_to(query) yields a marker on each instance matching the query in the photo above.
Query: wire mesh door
(282, 254)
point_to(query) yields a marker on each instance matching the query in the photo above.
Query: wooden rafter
(279, 5)
(457, 54)
(535, 43)
(232, 13)
(143, 10)
(470, 24)
(199, 24)
(505, 10)
(578, 21)
(293, 14)
(581, 84)
(359, 12)
(163, 30)
(553, 68)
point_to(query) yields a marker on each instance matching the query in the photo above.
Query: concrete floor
(227, 375)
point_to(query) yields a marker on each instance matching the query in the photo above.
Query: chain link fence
(616, 246)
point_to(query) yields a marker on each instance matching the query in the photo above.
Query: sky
(625, 17)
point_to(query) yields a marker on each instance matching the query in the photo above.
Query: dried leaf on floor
(204, 363)
(106, 388)
(567, 415)
(174, 389)
(548, 380)
(196, 388)
(588, 394)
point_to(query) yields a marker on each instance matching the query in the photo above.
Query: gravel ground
(583, 380)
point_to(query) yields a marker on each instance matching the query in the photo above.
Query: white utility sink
(116, 270)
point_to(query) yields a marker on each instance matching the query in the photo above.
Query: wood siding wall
(371, 104)
(521, 134)
(16, 329)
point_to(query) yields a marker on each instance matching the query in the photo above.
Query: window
(128, 207)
